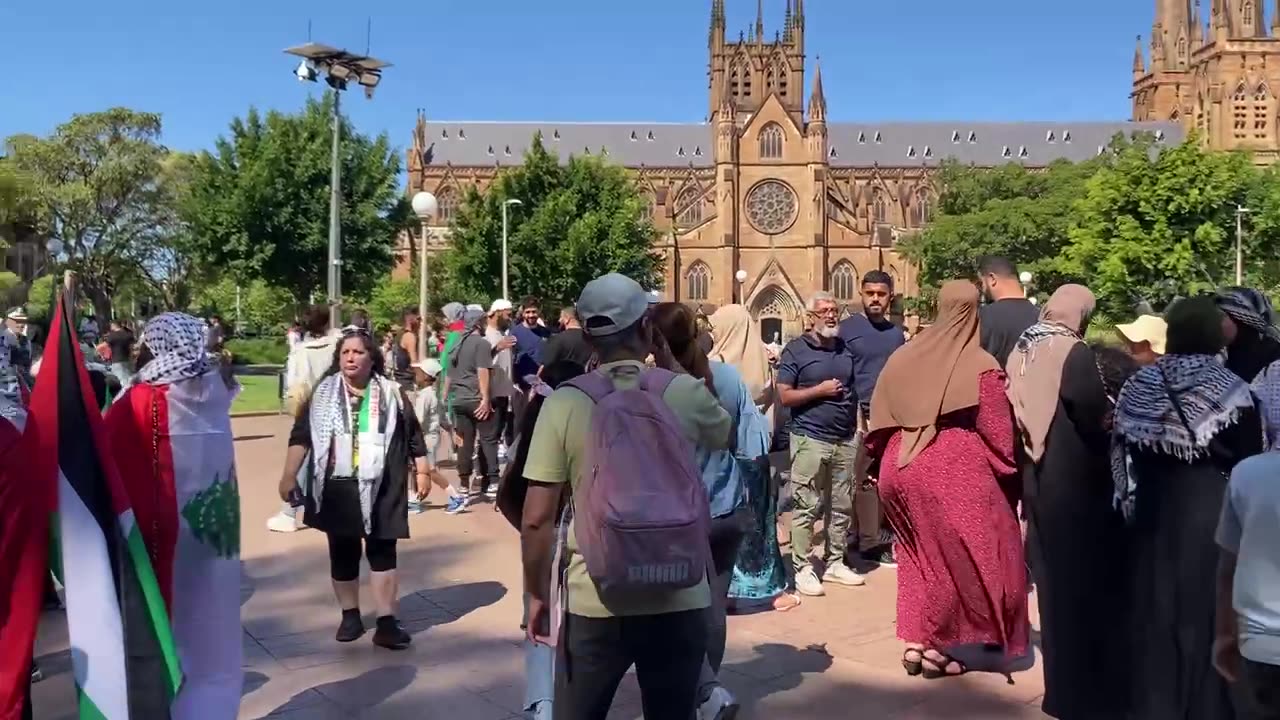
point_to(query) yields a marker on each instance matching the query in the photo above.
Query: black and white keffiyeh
(177, 345)
(362, 454)
(1211, 399)
(1249, 308)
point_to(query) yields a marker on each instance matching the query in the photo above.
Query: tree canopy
(1140, 222)
(259, 203)
(578, 220)
(98, 185)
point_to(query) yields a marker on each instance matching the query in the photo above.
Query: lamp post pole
(335, 220)
(506, 288)
(424, 206)
(1241, 211)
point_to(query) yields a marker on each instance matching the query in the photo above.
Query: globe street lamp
(424, 206)
(506, 290)
(741, 277)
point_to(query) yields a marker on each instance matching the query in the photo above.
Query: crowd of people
(657, 461)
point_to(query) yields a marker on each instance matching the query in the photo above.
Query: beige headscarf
(1035, 365)
(933, 375)
(738, 343)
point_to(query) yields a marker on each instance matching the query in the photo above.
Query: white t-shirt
(1250, 528)
(500, 385)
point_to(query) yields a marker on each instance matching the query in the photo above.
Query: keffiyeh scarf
(355, 444)
(1250, 308)
(1267, 389)
(177, 345)
(1210, 396)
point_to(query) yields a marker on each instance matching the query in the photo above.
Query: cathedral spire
(1139, 65)
(760, 20)
(818, 100)
(717, 20)
(786, 24)
(1197, 26)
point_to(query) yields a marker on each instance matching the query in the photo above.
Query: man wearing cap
(1145, 338)
(469, 376)
(663, 634)
(20, 356)
(501, 384)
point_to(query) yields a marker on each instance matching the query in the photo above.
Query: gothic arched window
(844, 281)
(735, 82)
(1261, 112)
(771, 139)
(921, 208)
(698, 280)
(1240, 112)
(447, 205)
(690, 207)
(879, 209)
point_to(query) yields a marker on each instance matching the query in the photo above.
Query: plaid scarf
(1210, 397)
(1249, 308)
(1267, 388)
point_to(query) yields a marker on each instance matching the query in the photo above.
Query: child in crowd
(426, 405)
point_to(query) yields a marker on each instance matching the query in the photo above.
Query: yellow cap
(1149, 328)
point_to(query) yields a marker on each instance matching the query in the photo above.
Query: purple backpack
(640, 510)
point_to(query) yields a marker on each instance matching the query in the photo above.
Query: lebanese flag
(173, 446)
(122, 651)
(24, 535)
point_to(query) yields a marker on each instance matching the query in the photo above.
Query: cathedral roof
(888, 144)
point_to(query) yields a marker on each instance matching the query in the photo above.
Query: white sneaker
(282, 523)
(841, 574)
(807, 583)
(720, 706)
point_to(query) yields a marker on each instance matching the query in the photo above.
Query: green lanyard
(359, 424)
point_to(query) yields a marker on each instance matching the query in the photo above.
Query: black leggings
(344, 556)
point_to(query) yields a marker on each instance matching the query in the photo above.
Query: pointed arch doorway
(778, 314)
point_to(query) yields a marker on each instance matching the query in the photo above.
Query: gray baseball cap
(610, 304)
(471, 318)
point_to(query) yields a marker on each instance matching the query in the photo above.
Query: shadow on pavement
(361, 693)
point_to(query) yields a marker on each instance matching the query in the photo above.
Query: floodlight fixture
(305, 72)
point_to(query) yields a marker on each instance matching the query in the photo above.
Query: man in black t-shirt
(570, 344)
(1007, 313)
(120, 340)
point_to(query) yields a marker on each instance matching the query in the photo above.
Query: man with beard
(501, 381)
(1007, 313)
(816, 381)
(871, 338)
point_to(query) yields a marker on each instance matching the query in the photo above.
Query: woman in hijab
(170, 436)
(1248, 327)
(759, 575)
(1061, 407)
(1181, 425)
(942, 433)
(359, 436)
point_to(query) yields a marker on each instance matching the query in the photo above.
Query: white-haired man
(816, 381)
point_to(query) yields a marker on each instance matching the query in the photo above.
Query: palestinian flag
(173, 446)
(24, 534)
(123, 654)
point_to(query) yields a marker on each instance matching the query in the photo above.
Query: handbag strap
(1177, 406)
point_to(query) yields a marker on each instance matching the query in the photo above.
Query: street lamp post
(1241, 211)
(506, 289)
(339, 68)
(424, 206)
(741, 277)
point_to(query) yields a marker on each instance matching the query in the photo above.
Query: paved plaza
(833, 657)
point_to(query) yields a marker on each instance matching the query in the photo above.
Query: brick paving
(460, 582)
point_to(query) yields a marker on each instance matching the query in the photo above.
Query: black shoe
(390, 635)
(882, 556)
(352, 627)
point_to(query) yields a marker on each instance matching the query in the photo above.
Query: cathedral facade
(1219, 79)
(769, 200)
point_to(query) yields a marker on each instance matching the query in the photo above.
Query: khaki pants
(820, 470)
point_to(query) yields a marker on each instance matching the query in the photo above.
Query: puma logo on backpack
(641, 513)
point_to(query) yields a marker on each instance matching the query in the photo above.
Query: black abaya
(1075, 545)
(1174, 560)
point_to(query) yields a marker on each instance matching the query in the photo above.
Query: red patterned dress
(962, 578)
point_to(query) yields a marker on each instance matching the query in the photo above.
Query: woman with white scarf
(358, 435)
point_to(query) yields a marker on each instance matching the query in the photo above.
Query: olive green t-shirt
(556, 454)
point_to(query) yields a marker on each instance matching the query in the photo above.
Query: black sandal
(934, 670)
(913, 667)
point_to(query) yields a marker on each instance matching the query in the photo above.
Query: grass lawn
(258, 393)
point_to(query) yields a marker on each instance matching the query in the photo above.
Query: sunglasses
(353, 331)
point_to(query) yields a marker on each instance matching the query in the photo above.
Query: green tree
(1010, 211)
(262, 306)
(259, 203)
(1151, 226)
(96, 184)
(577, 221)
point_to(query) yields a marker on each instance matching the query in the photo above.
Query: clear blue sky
(202, 63)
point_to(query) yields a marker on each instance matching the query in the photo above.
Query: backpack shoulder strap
(595, 385)
(656, 381)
